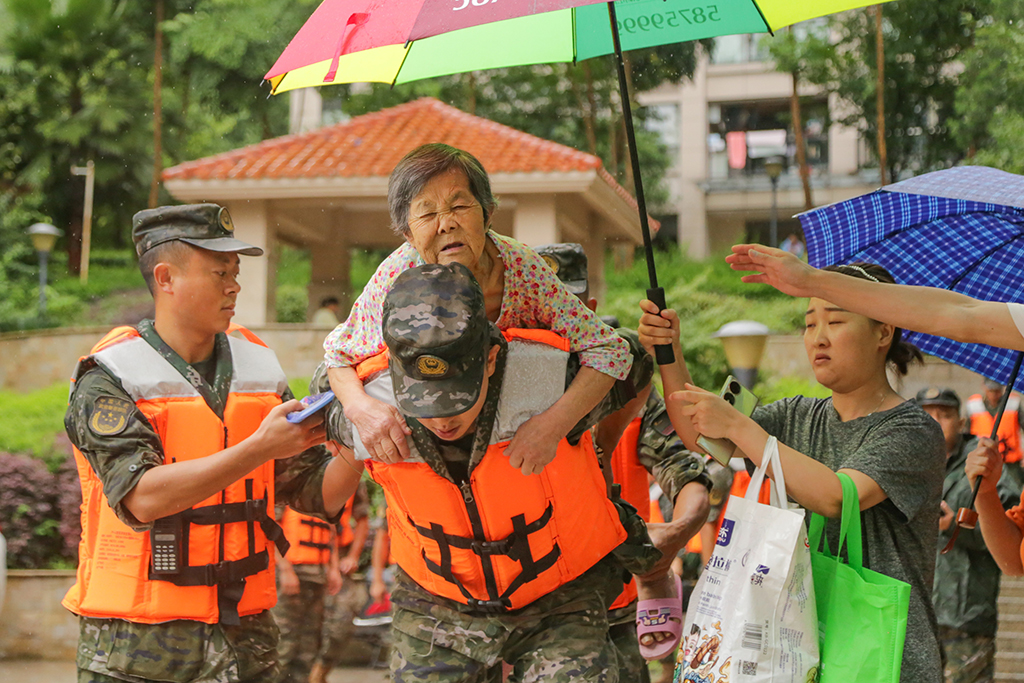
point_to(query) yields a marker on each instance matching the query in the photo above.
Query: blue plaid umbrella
(960, 229)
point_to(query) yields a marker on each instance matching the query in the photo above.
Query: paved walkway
(30, 671)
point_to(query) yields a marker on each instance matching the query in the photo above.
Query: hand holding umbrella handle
(662, 353)
(967, 518)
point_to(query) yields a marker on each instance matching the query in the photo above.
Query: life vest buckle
(502, 547)
(490, 606)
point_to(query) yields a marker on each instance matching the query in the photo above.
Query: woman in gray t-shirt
(892, 449)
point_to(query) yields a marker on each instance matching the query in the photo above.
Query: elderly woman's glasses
(459, 212)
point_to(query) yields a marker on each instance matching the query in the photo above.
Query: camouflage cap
(436, 330)
(569, 262)
(207, 226)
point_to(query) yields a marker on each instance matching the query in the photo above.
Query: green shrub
(292, 301)
(32, 420)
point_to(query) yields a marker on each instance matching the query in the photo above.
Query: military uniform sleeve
(361, 501)
(662, 453)
(114, 436)
(299, 480)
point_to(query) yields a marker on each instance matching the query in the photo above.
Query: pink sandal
(664, 615)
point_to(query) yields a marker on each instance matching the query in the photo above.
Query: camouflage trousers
(969, 659)
(559, 638)
(178, 651)
(339, 611)
(300, 618)
(622, 634)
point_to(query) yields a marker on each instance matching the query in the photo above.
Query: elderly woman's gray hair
(422, 164)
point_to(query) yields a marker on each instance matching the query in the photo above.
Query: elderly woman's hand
(381, 428)
(534, 445)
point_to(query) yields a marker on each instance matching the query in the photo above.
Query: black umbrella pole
(999, 418)
(656, 294)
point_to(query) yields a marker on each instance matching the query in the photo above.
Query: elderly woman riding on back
(440, 201)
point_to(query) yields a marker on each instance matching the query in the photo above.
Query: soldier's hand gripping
(984, 461)
(278, 438)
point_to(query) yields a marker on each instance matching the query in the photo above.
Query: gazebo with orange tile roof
(326, 191)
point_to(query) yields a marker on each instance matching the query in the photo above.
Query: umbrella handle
(663, 352)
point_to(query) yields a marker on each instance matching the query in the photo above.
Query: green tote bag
(862, 615)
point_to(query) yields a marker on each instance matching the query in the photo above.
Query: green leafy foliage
(990, 102)
(924, 45)
(706, 294)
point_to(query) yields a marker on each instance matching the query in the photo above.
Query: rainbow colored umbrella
(398, 41)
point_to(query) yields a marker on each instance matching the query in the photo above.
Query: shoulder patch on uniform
(110, 416)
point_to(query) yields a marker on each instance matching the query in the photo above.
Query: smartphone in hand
(744, 401)
(313, 404)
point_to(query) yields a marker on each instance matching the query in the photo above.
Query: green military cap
(569, 262)
(936, 396)
(207, 226)
(436, 330)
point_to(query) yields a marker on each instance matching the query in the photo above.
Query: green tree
(73, 79)
(924, 43)
(990, 103)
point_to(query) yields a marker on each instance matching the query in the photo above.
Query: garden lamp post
(44, 237)
(773, 167)
(744, 342)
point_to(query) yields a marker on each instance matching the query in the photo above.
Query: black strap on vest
(515, 546)
(228, 575)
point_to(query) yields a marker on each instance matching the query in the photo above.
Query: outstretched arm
(922, 309)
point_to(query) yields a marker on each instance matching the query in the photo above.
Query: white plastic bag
(752, 617)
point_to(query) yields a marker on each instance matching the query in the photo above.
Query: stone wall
(34, 360)
(33, 624)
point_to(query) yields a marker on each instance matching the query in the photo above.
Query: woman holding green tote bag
(890, 448)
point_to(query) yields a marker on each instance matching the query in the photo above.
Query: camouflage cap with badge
(207, 226)
(436, 330)
(569, 262)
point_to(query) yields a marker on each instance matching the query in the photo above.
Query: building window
(740, 49)
(741, 136)
(663, 120)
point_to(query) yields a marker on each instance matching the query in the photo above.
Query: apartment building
(724, 125)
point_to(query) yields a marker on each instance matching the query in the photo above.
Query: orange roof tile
(371, 145)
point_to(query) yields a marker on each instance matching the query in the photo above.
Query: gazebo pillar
(331, 268)
(534, 222)
(257, 302)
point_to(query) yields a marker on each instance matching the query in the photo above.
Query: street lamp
(44, 237)
(744, 342)
(773, 167)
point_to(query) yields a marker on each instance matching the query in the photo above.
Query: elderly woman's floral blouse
(534, 298)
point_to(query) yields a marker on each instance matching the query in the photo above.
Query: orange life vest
(309, 538)
(226, 543)
(628, 473)
(1008, 436)
(501, 540)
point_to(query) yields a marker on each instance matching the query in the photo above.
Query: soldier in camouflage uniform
(189, 258)
(679, 472)
(303, 586)
(561, 636)
(341, 608)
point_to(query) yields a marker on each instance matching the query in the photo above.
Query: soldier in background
(981, 416)
(344, 605)
(646, 445)
(306, 575)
